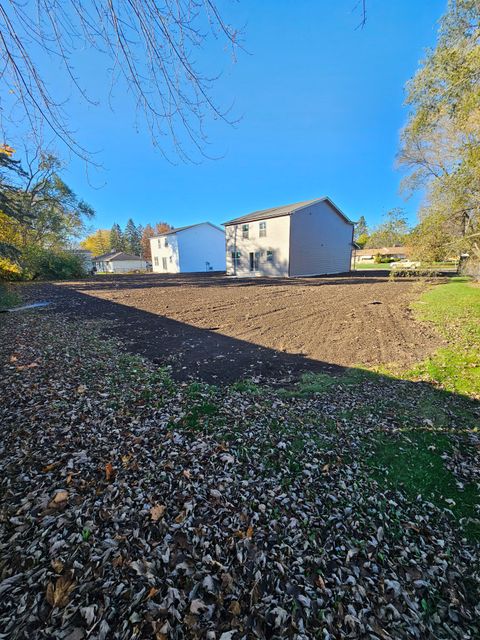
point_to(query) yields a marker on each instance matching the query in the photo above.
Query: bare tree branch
(149, 44)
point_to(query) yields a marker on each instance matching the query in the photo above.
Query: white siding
(276, 240)
(320, 241)
(122, 266)
(169, 253)
(201, 248)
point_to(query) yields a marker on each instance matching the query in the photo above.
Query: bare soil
(222, 329)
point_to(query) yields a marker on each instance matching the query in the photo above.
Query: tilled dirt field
(223, 329)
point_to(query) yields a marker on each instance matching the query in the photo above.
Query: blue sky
(320, 108)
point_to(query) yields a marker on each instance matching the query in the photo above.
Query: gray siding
(320, 241)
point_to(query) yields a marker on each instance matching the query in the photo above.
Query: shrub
(383, 259)
(9, 270)
(51, 264)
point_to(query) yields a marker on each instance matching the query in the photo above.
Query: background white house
(302, 239)
(118, 262)
(198, 247)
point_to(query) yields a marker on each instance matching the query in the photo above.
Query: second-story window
(262, 229)
(166, 242)
(245, 231)
(159, 243)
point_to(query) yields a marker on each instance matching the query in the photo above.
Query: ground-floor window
(236, 258)
(155, 260)
(269, 256)
(164, 264)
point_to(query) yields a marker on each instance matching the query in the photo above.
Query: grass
(8, 297)
(414, 458)
(432, 418)
(359, 266)
(412, 461)
(454, 308)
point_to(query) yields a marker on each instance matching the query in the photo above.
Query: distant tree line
(134, 239)
(393, 231)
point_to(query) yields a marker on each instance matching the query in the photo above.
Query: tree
(98, 242)
(10, 213)
(117, 240)
(147, 233)
(361, 227)
(162, 227)
(361, 232)
(391, 232)
(150, 47)
(440, 144)
(132, 238)
(38, 206)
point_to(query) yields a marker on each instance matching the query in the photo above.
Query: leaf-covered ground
(136, 507)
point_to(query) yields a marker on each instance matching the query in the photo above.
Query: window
(164, 264)
(155, 260)
(159, 241)
(171, 258)
(269, 256)
(236, 258)
(166, 242)
(262, 230)
(245, 231)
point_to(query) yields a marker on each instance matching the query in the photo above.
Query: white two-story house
(302, 239)
(196, 248)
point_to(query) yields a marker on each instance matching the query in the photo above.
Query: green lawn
(454, 309)
(433, 407)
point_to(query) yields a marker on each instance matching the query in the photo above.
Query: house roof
(189, 226)
(117, 255)
(285, 210)
(382, 251)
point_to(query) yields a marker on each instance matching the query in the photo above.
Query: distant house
(369, 255)
(198, 247)
(302, 239)
(118, 262)
(85, 256)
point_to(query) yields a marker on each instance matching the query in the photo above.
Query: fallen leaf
(57, 565)
(235, 608)
(50, 467)
(59, 499)
(187, 473)
(58, 594)
(249, 533)
(81, 388)
(197, 606)
(152, 593)
(109, 471)
(157, 512)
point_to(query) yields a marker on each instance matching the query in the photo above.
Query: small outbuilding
(303, 239)
(195, 248)
(119, 262)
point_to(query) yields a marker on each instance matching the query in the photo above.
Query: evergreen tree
(132, 238)
(117, 242)
(361, 228)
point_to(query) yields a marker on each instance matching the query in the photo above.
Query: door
(254, 260)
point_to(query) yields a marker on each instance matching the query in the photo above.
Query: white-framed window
(155, 261)
(262, 229)
(166, 241)
(171, 258)
(245, 231)
(269, 256)
(164, 264)
(236, 258)
(159, 242)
